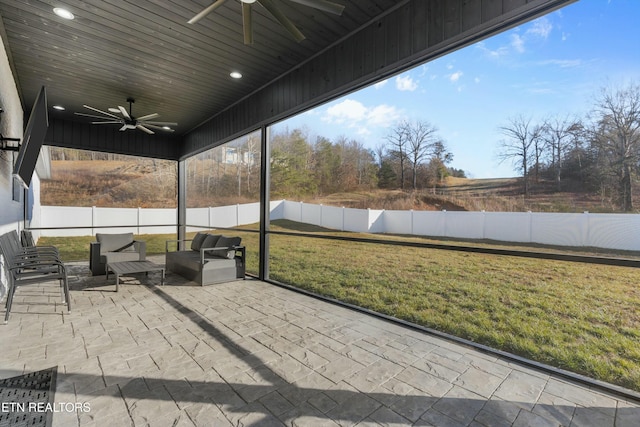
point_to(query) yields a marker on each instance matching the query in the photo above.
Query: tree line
(412, 155)
(598, 153)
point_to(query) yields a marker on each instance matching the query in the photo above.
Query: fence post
(412, 229)
(587, 233)
(444, 223)
(93, 220)
(138, 220)
(300, 211)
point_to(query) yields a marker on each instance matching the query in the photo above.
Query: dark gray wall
(108, 139)
(414, 32)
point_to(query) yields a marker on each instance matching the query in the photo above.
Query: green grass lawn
(580, 317)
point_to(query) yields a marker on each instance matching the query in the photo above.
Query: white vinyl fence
(610, 231)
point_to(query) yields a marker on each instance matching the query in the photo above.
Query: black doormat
(26, 400)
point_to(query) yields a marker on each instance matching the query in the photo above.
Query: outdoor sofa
(110, 248)
(211, 258)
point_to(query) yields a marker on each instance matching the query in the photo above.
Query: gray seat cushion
(115, 242)
(197, 241)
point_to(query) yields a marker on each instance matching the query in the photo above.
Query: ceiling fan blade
(101, 112)
(110, 122)
(247, 26)
(94, 117)
(206, 11)
(123, 128)
(124, 112)
(142, 128)
(323, 5)
(146, 122)
(149, 116)
(283, 20)
(164, 128)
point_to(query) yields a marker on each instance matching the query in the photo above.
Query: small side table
(131, 267)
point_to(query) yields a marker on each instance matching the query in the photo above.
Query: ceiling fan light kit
(247, 23)
(126, 119)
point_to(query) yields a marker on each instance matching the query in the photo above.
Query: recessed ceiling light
(235, 75)
(58, 107)
(63, 13)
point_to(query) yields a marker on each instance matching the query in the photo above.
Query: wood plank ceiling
(145, 49)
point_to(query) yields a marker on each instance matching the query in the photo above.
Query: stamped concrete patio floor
(253, 354)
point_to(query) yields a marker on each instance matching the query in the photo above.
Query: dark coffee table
(132, 267)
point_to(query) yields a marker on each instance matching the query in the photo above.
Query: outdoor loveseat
(212, 258)
(110, 248)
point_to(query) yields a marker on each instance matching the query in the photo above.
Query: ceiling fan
(127, 120)
(247, 27)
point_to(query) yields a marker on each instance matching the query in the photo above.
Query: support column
(263, 273)
(182, 202)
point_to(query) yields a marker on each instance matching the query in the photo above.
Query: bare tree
(398, 141)
(559, 136)
(251, 160)
(616, 133)
(520, 136)
(421, 137)
(441, 157)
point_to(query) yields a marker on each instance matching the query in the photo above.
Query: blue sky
(552, 66)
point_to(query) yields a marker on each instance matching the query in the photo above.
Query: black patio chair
(31, 265)
(26, 237)
(15, 247)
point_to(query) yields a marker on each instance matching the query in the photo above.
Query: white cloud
(383, 115)
(517, 43)
(541, 27)
(355, 115)
(381, 84)
(497, 53)
(562, 63)
(477, 80)
(406, 83)
(348, 110)
(454, 77)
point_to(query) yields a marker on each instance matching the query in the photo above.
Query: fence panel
(292, 211)
(150, 217)
(248, 213)
(199, 217)
(223, 216)
(67, 216)
(614, 231)
(277, 209)
(332, 217)
(610, 231)
(115, 217)
(429, 223)
(464, 225)
(559, 229)
(508, 226)
(398, 222)
(310, 214)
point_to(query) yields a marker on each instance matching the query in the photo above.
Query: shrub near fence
(607, 231)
